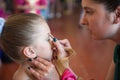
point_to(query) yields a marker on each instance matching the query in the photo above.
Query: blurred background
(93, 57)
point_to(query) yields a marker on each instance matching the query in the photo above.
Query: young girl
(26, 36)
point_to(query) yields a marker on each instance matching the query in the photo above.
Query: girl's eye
(48, 39)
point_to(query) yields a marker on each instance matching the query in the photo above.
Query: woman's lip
(90, 31)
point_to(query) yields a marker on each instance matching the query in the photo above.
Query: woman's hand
(43, 69)
(63, 51)
(65, 43)
(60, 47)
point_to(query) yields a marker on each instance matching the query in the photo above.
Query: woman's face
(42, 45)
(99, 21)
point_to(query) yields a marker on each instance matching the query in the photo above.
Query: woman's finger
(58, 46)
(42, 66)
(59, 49)
(43, 61)
(38, 75)
(65, 43)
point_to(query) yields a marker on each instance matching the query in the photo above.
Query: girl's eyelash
(48, 39)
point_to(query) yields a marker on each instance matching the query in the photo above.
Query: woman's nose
(83, 20)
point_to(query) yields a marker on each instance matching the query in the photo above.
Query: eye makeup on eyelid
(49, 38)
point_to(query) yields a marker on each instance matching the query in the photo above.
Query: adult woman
(102, 17)
(103, 20)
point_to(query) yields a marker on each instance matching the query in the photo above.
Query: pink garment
(19, 2)
(2, 13)
(68, 75)
(42, 2)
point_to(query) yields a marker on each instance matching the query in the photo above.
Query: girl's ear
(29, 52)
(117, 14)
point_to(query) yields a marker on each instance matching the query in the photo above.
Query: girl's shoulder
(20, 75)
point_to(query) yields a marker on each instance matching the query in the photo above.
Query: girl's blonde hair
(20, 30)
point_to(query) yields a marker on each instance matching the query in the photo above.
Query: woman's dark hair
(111, 5)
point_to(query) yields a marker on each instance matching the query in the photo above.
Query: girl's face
(42, 45)
(99, 21)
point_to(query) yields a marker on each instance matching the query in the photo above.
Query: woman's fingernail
(54, 39)
(35, 57)
(54, 48)
(28, 68)
(30, 60)
(45, 74)
(52, 66)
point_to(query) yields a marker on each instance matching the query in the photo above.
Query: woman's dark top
(117, 62)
